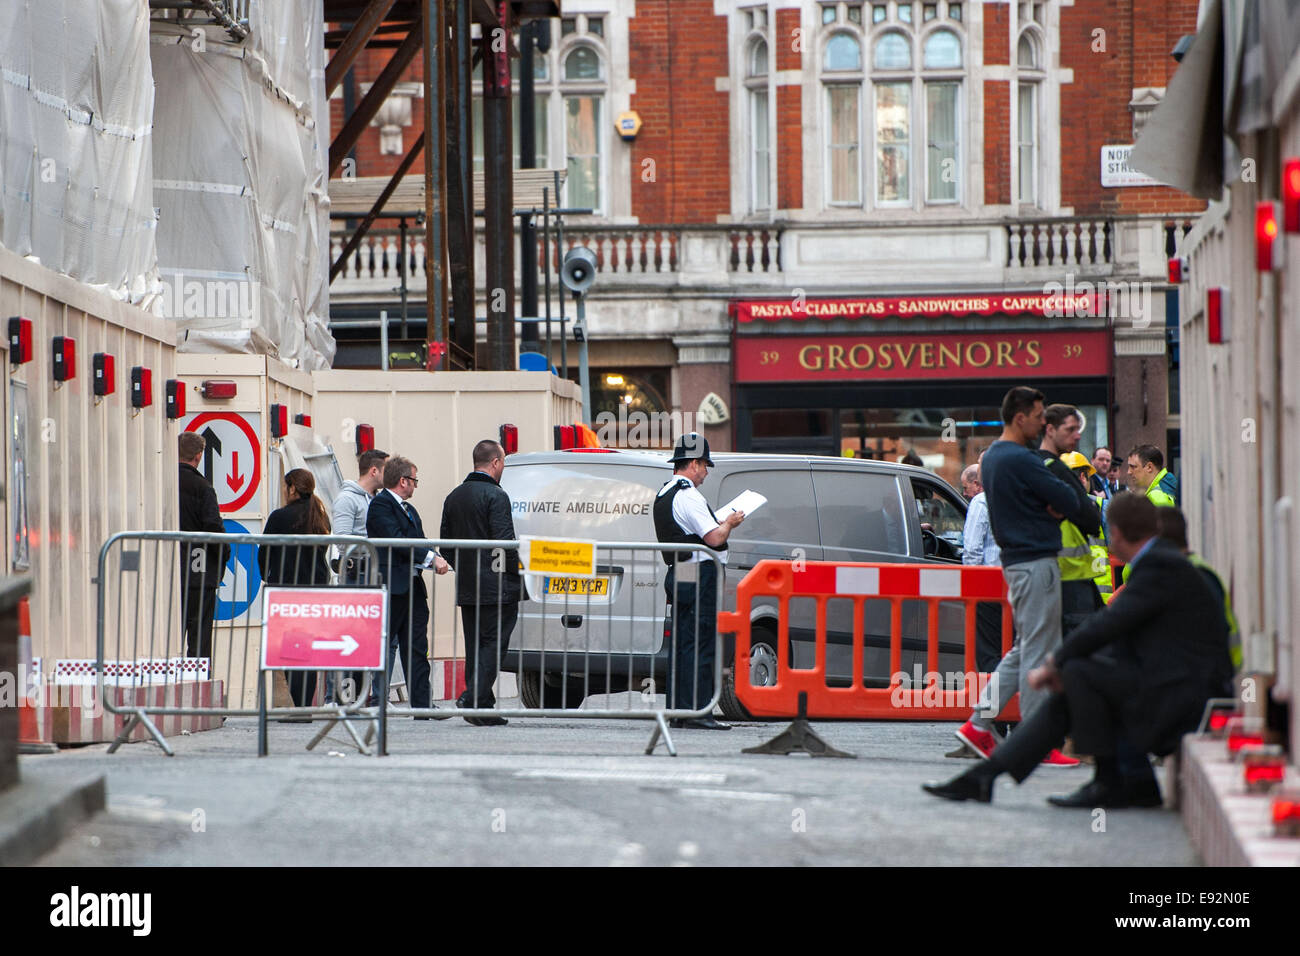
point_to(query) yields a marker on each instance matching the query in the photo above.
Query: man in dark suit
(202, 566)
(392, 516)
(487, 580)
(1141, 669)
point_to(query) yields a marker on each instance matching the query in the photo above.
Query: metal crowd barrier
(809, 691)
(158, 592)
(606, 638)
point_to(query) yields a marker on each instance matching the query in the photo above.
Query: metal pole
(401, 271)
(546, 264)
(559, 247)
(528, 160)
(383, 339)
(583, 379)
(498, 201)
(435, 152)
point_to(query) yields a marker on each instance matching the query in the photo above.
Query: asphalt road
(574, 792)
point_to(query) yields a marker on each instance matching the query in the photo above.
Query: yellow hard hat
(1074, 459)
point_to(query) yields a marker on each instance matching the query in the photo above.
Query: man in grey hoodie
(349, 517)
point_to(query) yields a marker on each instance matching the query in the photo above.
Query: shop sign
(940, 355)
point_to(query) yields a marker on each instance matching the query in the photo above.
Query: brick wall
(789, 113)
(678, 49)
(997, 142)
(1094, 108)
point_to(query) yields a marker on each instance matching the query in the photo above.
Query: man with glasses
(392, 516)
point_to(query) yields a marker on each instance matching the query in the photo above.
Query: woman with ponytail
(297, 565)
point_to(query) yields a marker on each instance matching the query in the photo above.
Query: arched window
(760, 160)
(1028, 95)
(893, 52)
(583, 91)
(915, 69)
(942, 51)
(842, 62)
(843, 53)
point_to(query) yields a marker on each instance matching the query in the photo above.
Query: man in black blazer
(392, 516)
(201, 566)
(487, 581)
(1142, 668)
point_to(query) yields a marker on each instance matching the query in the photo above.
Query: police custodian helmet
(690, 447)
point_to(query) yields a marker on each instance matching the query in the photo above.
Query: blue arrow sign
(243, 579)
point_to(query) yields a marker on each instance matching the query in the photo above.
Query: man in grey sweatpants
(1026, 503)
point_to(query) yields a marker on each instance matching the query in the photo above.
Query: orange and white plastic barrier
(822, 581)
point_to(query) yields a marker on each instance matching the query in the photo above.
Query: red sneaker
(1058, 759)
(980, 741)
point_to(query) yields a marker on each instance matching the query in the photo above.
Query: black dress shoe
(487, 721)
(698, 723)
(966, 786)
(1145, 794)
(434, 716)
(1090, 796)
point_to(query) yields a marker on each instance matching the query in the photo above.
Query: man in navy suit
(391, 516)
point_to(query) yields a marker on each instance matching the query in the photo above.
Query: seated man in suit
(1141, 668)
(390, 515)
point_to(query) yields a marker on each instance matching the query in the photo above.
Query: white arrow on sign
(347, 645)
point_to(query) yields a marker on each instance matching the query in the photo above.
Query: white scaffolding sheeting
(76, 152)
(239, 163)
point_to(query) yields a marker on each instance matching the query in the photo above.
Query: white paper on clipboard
(747, 501)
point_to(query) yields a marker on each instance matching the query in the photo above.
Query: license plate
(595, 587)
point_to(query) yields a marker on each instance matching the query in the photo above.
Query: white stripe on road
(625, 776)
(736, 794)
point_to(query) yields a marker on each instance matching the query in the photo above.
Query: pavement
(580, 792)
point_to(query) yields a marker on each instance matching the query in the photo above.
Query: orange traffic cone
(29, 733)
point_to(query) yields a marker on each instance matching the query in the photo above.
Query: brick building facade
(895, 156)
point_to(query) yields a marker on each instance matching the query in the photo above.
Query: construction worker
(1171, 525)
(1148, 475)
(1100, 566)
(1079, 595)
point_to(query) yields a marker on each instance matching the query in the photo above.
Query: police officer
(682, 516)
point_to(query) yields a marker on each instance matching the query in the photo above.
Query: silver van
(610, 632)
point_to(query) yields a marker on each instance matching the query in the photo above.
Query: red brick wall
(1094, 108)
(789, 112)
(997, 142)
(678, 49)
(997, 26)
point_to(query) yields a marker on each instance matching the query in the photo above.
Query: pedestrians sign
(311, 629)
(242, 579)
(232, 455)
